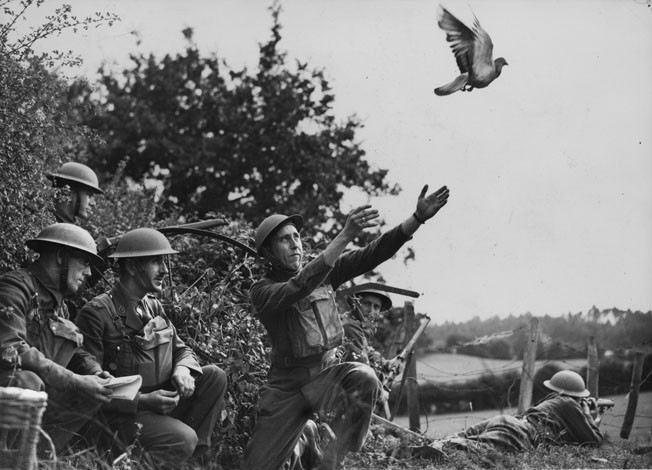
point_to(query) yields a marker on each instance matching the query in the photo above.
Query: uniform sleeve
(270, 297)
(15, 308)
(355, 343)
(581, 429)
(91, 325)
(358, 262)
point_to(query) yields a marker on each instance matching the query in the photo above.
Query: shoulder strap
(106, 301)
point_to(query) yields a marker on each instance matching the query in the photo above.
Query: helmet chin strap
(75, 210)
(63, 273)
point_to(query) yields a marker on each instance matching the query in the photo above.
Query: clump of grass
(389, 452)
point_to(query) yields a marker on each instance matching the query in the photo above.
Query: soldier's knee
(24, 379)
(214, 377)
(367, 380)
(184, 442)
(214, 373)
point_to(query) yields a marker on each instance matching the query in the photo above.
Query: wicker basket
(21, 411)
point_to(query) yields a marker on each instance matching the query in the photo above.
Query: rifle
(601, 404)
(401, 362)
(377, 286)
(402, 357)
(107, 244)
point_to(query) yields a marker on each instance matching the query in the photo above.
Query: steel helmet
(142, 242)
(568, 383)
(271, 223)
(384, 298)
(68, 235)
(76, 174)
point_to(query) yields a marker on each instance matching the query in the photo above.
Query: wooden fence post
(632, 402)
(411, 371)
(529, 362)
(592, 367)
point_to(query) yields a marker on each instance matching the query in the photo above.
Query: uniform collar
(281, 274)
(126, 303)
(46, 281)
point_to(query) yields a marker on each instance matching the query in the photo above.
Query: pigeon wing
(461, 39)
(483, 48)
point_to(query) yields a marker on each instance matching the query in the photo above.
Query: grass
(625, 455)
(385, 451)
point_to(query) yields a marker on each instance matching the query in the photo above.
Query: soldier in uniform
(128, 331)
(40, 348)
(296, 305)
(83, 185)
(567, 416)
(360, 324)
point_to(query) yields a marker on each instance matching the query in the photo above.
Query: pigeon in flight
(473, 51)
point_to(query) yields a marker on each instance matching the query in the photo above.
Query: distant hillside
(616, 331)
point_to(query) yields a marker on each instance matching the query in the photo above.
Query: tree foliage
(21, 46)
(239, 143)
(38, 128)
(37, 134)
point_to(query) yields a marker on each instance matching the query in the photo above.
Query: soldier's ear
(61, 255)
(131, 266)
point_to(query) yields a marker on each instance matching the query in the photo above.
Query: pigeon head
(500, 62)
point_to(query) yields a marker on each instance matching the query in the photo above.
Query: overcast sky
(550, 168)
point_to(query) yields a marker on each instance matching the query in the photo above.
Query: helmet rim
(76, 174)
(136, 244)
(271, 223)
(78, 239)
(567, 382)
(385, 299)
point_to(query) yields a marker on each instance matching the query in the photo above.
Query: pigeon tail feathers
(456, 85)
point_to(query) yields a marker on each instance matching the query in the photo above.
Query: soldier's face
(79, 268)
(371, 305)
(151, 273)
(85, 203)
(287, 248)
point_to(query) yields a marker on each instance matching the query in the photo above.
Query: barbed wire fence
(470, 381)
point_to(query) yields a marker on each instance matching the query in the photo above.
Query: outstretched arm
(358, 219)
(427, 207)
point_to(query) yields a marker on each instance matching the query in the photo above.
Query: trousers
(170, 439)
(348, 390)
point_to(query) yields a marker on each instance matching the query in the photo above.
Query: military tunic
(556, 420)
(299, 386)
(128, 342)
(41, 349)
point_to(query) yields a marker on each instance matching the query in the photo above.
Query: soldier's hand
(93, 387)
(183, 382)
(394, 365)
(104, 375)
(359, 219)
(159, 401)
(428, 206)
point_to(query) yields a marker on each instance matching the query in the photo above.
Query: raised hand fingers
(365, 217)
(439, 196)
(359, 219)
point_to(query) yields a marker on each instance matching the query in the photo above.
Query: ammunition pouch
(315, 325)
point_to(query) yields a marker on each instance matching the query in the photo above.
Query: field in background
(442, 367)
